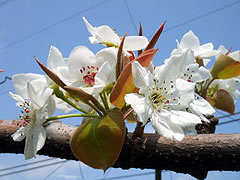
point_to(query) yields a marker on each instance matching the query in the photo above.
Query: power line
(202, 15)
(228, 115)
(33, 168)
(130, 15)
(5, 79)
(51, 173)
(26, 164)
(227, 122)
(52, 25)
(127, 176)
(81, 171)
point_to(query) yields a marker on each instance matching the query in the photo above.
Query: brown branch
(193, 155)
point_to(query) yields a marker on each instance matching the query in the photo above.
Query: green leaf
(98, 141)
(225, 68)
(222, 100)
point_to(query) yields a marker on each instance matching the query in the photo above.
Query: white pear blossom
(92, 72)
(190, 71)
(106, 35)
(36, 108)
(191, 41)
(58, 65)
(159, 95)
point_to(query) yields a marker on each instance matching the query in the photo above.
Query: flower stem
(70, 115)
(104, 100)
(61, 95)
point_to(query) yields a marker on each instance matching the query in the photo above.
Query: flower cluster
(174, 97)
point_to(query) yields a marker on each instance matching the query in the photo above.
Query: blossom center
(88, 75)
(157, 99)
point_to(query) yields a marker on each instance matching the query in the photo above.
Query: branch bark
(194, 155)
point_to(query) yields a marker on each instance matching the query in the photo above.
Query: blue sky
(28, 28)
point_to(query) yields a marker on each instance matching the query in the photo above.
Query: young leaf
(98, 142)
(222, 100)
(51, 74)
(125, 84)
(225, 68)
(155, 38)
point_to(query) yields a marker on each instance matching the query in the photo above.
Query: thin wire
(130, 15)
(81, 171)
(51, 173)
(5, 79)
(52, 25)
(227, 122)
(132, 175)
(228, 115)
(29, 169)
(26, 164)
(202, 15)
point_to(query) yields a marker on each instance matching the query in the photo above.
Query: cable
(130, 15)
(132, 175)
(26, 164)
(52, 25)
(51, 173)
(227, 122)
(81, 171)
(228, 115)
(5, 79)
(202, 16)
(29, 169)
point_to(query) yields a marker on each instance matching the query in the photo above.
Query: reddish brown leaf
(124, 84)
(155, 38)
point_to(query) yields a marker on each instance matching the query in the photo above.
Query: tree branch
(194, 155)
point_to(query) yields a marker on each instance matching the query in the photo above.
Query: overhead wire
(131, 17)
(26, 164)
(51, 173)
(127, 176)
(32, 168)
(202, 16)
(52, 25)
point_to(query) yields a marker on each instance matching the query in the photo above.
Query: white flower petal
(235, 55)
(80, 57)
(105, 75)
(133, 43)
(162, 123)
(17, 97)
(102, 34)
(55, 58)
(187, 121)
(20, 82)
(20, 134)
(200, 106)
(190, 41)
(39, 138)
(185, 90)
(140, 106)
(107, 55)
(196, 73)
(141, 77)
